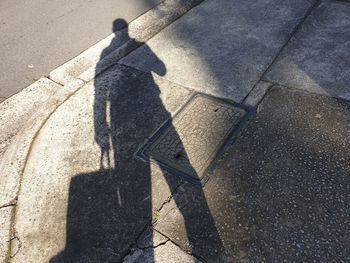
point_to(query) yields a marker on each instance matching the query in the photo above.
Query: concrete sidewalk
(205, 131)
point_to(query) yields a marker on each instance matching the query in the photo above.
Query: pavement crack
(154, 246)
(166, 201)
(161, 244)
(13, 202)
(85, 82)
(15, 245)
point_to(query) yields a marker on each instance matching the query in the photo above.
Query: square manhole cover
(189, 142)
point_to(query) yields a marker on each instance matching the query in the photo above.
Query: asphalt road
(36, 36)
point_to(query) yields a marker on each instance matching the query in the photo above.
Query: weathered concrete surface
(150, 238)
(202, 127)
(222, 47)
(281, 191)
(257, 94)
(190, 224)
(73, 68)
(14, 158)
(21, 117)
(5, 232)
(16, 110)
(71, 206)
(140, 29)
(318, 57)
(165, 253)
(152, 246)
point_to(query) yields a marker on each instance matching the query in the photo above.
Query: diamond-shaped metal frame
(181, 168)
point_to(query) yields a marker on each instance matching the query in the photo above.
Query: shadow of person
(110, 208)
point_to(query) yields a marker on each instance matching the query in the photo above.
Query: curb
(69, 78)
(15, 158)
(126, 40)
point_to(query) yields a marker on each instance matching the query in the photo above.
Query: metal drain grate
(190, 141)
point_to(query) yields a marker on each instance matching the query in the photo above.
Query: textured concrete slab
(280, 194)
(150, 238)
(5, 232)
(140, 29)
(167, 253)
(190, 141)
(13, 160)
(16, 110)
(257, 94)
(94, 200)
(318, 57)
(188, 221)
(222, 47)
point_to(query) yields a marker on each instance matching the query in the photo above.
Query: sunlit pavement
(108, 170)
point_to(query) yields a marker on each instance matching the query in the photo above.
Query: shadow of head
(119, 24)
(156, 65)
